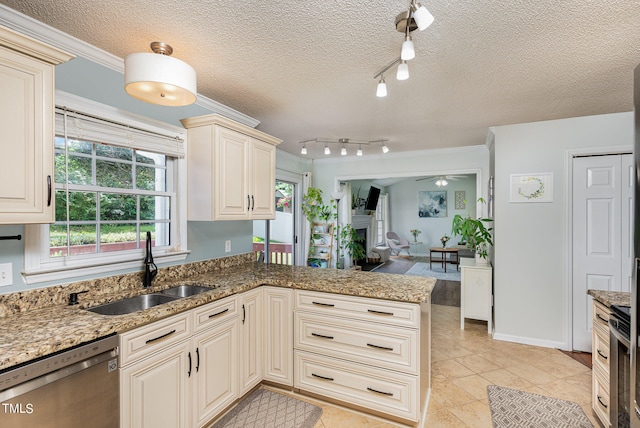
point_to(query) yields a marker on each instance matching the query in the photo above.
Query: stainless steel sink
(185, 290)
(132, 304)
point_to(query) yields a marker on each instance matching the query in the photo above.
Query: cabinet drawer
(377, 345)
(600, 315)
(363, 308)
(600, 397)
(215, 312)
(376, 389)
(143, 341)
(601, 352)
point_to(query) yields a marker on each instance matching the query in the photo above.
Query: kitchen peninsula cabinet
(278, 335)
(231, 170)
(182, 370)
(250, 339)
(366, 352)
(27, 86)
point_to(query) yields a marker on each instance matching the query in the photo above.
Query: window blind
(84, 127)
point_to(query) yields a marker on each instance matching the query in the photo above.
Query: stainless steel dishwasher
(77, 387)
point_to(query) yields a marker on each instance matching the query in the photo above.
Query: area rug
(267, 409)
(422, 269)
(513, 408)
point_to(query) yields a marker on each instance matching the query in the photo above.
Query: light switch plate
(6, 274)
(227, 246)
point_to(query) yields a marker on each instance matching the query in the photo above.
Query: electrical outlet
(6, 274)
(227, 246)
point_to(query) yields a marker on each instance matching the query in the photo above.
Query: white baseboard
(530, 341)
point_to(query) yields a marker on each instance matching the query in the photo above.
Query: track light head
(359, 152)
(385, 149)
(343, 151)
(403, 71)
(381, 91)
(303, 151)
(327, 150)
(408, 50)
(421, 16)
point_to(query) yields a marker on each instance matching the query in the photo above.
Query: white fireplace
(365, 222)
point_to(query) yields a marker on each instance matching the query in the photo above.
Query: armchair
(397, 244)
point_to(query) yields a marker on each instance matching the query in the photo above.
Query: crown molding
(40, 31)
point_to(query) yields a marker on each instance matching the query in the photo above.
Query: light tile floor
(464, 362)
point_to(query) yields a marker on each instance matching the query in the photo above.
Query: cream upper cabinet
(231, 170)
(27, 86)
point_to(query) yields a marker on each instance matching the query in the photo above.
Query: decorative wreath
(532, 194)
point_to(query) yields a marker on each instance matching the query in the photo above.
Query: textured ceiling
(305, 68)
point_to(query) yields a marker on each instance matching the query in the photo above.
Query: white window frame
(39, 267)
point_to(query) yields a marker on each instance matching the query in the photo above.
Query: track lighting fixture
(343, 143)
(416, 18)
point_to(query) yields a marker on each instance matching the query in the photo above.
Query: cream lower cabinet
(26, 106)
(250, 339)
(368, 353)
(231, 170)
(476, 294)
(180, 371)
(600, 362)
(278, 335)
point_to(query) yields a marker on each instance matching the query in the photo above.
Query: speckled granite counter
(26, 334)
(609, 298)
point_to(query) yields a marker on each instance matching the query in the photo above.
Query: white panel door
(602, 245)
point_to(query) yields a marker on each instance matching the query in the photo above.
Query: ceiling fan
(442, 180)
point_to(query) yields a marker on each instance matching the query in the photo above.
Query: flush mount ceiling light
(157, 78)
(343, 143)
(416, 18)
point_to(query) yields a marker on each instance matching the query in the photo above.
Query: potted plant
(350, 241)
(475, 232)
(312, 203)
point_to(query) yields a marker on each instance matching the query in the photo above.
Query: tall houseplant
(475, 232)
(350, 241)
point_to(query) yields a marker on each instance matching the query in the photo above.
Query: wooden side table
(443, 252)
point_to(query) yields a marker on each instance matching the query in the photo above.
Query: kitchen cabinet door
(263, 180)
(215, 371)
(26, 107)
(154, 390)
(250, 340)
(278, 335)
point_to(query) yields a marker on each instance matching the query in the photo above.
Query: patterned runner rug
(513, 408)
(267, 409)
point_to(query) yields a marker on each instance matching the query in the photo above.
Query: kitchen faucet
(150, 268)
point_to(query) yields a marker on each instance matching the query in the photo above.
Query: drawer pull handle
(601, 403)
(323, 304)
(602, 355)
(321, 336)
(601, 318)
(384, 348)
(322, 377)
(380, 312)
(218, 313)
(160, 337)
(390, 394)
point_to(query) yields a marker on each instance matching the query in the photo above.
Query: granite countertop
(609, 298)
(27, 335)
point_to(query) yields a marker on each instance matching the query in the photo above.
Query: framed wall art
(531, 187)
(461, 199)
(432, 204)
